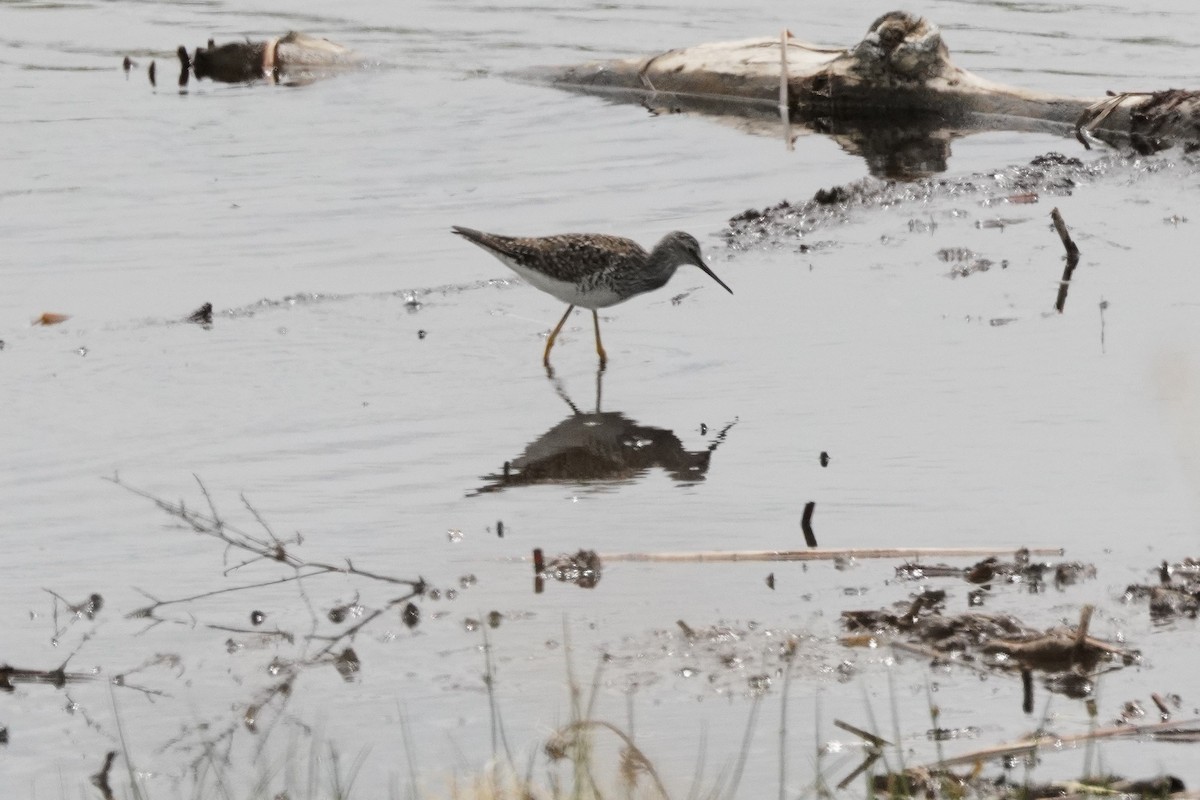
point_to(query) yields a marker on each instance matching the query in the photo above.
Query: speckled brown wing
(565, 257)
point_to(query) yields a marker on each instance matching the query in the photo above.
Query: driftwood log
(896, 84)
(294, 58)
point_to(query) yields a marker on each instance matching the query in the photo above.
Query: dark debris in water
(1051, 174)
(1176, 594)
(202, 316)
(338, 613)
(965, 261)
(413, 299)
(348, 664)
(932, 782)
(58, 677)
(582, 568)
(725, 657)
(952, 734)
(1035, 576)
(1068, 657)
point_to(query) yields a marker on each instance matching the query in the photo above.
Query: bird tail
(470, 234)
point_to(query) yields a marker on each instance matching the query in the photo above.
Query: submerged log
(899, 76)
(296, 57)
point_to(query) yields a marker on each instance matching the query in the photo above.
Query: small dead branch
(100, 779)
(149, 611)
(286, 636)
(870, 738)
(1059, 649)
(349, 633)
(85, 609)
(810, 538)
(271, 548)
(1052, 743)
(1072, 259)
(785, 90)
(268, 548)
(250, 719)
(785, 100)
(58, 678)
(934, 655)
(1061, 226)
(1164, 710)
(828, 554)
(874, 750)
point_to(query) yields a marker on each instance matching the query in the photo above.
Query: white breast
(600, 297)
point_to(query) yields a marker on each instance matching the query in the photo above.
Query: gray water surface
(957, 411)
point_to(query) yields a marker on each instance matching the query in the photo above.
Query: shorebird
(591, 270)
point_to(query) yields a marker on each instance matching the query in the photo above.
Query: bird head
(686, 250)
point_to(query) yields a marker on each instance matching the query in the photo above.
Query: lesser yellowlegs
(591, 270)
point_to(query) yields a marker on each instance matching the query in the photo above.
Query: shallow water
(957, 411)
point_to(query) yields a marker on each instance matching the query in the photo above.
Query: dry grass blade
(872, 739)
(1026, 746)
(632, 755)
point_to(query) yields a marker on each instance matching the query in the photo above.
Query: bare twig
(785, 94)
(1063, 233)
(285, 635)
(274, 550)
(100, 779)
(1049, 742)
(784, 77)
(349, 633)
(935, 655)
(267, 549)
(1072, 259)
(88, 609)
(870, 738)
(148, 611)
(810, 538)
(874, 750)
(130, 771)
(819, 554)
(214, 526)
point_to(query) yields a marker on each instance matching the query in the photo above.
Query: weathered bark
(290, 58)
(1164, 119)
(899, 77)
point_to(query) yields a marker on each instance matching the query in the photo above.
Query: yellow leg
(599, 347)
(553, 336)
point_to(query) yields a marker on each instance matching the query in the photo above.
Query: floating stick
(785, 97)
(1054, 743)
(827, 554)
(1072, 259)
(810, 538)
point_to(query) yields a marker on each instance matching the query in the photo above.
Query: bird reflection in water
(603, 447)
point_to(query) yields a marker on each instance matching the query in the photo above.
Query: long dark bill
(713, 275)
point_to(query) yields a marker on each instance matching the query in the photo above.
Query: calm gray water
(127, 207)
